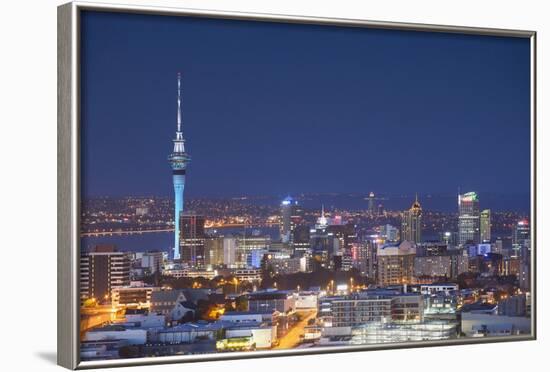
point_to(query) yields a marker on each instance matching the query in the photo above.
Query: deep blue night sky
(280, 108)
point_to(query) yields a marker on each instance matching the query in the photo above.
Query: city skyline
(182, 275)
(470, 127)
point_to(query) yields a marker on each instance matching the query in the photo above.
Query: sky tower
(179, 160)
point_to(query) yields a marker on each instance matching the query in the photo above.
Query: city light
(183, 275)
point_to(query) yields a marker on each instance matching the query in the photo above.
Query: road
(292, 338)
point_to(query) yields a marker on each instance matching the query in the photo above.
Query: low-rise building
(136, 295)
(359, 309)
(262, 335)
(407, 308)
(377, 333)
(101, 350)
(191, 273)
(173, 304)
(249, 317)
(265, 301)
(143, 320)
(306, 300)
(133, 335)
(439, 304)
(434, 288)
(483, 325)
(189, 332)
(513, 306)
(480, 308)
(248, 275)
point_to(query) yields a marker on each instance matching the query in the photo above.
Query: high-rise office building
(371, 247)
(346, 236)
(372, 203)
(468, 218)
(450, 238)
(290, 217)
(485, 226)
(192, 240)
(179, 160)
(411, 224)
(522, 232)
(229, 251)
(521, 240)
(431, 249)
(250, 247)
(450, 265)
(101, 270)
(389, 233)
(359, 257)
(300, 240)
(380, 210)
(213, 251)
(152, 261)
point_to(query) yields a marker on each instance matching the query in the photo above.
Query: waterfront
(162, 241)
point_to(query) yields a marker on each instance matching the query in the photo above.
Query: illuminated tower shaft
(179, 160)
(178, 177)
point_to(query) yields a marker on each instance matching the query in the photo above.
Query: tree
(188, 317)
(241, 303)
(128, 352)
(229, 306)
(206, 310)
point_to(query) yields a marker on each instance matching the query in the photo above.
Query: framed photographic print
(235, 185)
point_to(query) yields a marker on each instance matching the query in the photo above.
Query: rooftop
(271, 295)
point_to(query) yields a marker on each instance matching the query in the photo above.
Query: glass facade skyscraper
(411, 224)
(468, 218)
(485, 225)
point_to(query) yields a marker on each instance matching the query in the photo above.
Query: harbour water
(161, 241)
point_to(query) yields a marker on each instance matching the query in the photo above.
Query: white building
(137, 294)
(428, 289)
(482, 325)
(249, 317)
(189, 332)
(263, 336)
(377, 333)
(229, 251)
(152, 261)
(134, 336)
(306, 300)
(191, 273)
(248, 275)
(146, 320)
